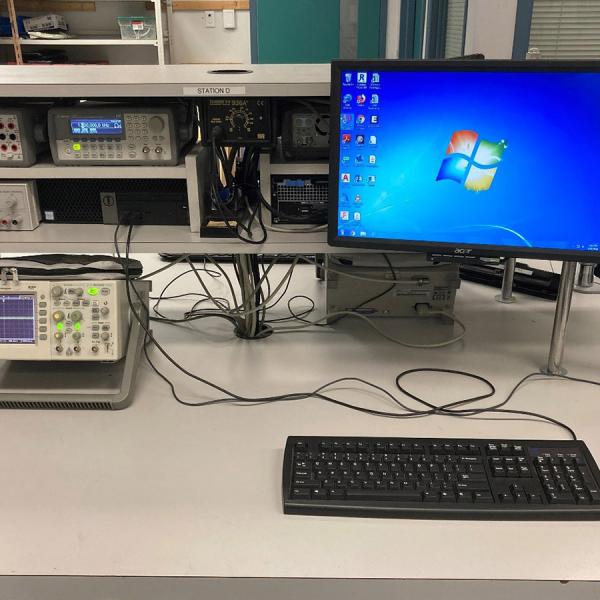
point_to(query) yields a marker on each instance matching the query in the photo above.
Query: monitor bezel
(438, 247)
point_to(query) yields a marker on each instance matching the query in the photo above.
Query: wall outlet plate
(210, 18)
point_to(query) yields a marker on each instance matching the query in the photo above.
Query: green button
(60, 326)
(93, 291)
(77, 147)
(77, 326)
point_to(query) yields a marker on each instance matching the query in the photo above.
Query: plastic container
(137, 28)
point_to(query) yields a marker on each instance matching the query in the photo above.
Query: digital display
(17, 319)
(96, 126)
(469, 157)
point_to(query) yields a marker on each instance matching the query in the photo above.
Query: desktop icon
(344, 215)
(360, 119)
(358, 159)
(345, 159)
(361, 99)
(372, 159)
(374, 119)
(371, 179)
(357, 199)
(358, 179)
(356, 216)
(346, 138)
(375, 78)
(374, 98)
(361, 78)
(347, 98)
(373, 140)
(347, 120)
(471, 161)
(348, 77)
(344, 199)
(345, 177)
(360, 139)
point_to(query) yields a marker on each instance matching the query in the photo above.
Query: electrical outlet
(209, 18)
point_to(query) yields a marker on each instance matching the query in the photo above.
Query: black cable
(451, 409)
(448, 409)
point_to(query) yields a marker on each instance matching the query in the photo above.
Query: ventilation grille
(62, 405)
(78, 200)
(301, 191)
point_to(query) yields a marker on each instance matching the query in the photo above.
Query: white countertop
(161, 489)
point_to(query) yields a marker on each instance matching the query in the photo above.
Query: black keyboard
(440, 478)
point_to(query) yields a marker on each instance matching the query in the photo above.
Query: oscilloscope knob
(157, 124)
(76, 336)
(58, 316)
(76, 316)
(57, 291)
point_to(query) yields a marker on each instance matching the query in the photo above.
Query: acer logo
(462, 250)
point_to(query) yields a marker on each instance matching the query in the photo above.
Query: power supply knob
(58, 316)
(58, 335)
(76, 336)
(105, 336)
(104, 310)
(76, 316)
(157, 124)
(57, 291)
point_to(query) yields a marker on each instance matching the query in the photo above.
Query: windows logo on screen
(471, 160)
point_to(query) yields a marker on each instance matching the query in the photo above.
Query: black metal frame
(437, 247)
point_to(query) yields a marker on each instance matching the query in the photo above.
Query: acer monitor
(476, 158)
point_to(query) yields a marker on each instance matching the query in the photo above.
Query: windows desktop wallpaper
(493, 158)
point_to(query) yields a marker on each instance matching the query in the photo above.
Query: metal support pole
(585, 276)
(561, 318)
(507, 282)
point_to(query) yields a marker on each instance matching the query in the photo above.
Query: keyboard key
(447, 497)
(388, 496)
(318, 494)
(483, 497)
(464, 497)
(300, 494)
(558, 498)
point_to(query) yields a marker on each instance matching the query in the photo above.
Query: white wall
(196, 43)
(491, 27)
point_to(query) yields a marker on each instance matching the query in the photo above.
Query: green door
(308, 31)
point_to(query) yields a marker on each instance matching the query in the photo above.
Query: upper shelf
(82, 41)
(47, 170)
(143, 81)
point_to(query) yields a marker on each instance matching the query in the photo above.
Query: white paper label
(215, 90)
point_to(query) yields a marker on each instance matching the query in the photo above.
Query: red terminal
(4, 222)
(11, 125)
(14, 147)
(4, 147)
(1, 125)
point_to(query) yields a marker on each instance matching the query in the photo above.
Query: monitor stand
(506, 296)
(561, 318)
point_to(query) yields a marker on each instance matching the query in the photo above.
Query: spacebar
(390, 496)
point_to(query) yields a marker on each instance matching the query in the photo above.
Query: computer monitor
(472, 158)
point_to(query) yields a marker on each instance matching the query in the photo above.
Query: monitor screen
(495, 158)
(96, 126)
(17, 319)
